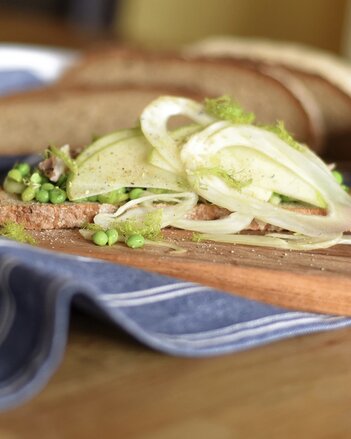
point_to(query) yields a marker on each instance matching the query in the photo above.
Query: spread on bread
(147, 178)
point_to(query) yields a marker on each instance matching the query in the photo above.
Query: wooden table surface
(111, 387)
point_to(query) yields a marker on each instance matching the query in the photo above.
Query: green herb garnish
(224, 175)
(149, 226)
(280, 130)
(226, 109)
(17, 232)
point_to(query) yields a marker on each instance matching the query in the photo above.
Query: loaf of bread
(31, 121)
(270, 95)
(326, 76)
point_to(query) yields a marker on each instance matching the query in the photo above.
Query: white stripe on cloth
(154, 297)
(281, 327)
(145, 292)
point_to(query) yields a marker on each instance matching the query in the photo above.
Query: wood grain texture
(314, 281)
(111, 387)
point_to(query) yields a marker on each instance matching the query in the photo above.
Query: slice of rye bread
(30, 121)
(327, 77)
(70, 215)
(269, 95)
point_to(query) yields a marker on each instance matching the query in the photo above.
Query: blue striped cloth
(38, 288)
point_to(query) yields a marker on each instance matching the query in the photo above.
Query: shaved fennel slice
(154, 120)
(233, 223)
(216, 191)
(201, 147)
(179, 135)
(287, 242)
(268, 143)
(179, 205)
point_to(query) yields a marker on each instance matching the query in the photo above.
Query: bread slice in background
(30, 121)
(326, 76)
(270, 95)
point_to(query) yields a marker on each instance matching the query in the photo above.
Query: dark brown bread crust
(141, 65)
(58, 115)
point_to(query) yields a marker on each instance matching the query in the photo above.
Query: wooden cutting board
(314, 281)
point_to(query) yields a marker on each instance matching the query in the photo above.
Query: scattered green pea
(136, 193)
(42, 196)
(112, 236)
(120, 197)
(108, 198)
(275, 199)
(135, 241)
(15, 175)
(35, 178)
(44, 179)
(100, 238)
(12, 187)
(113, 197)
(62, 180)
(57, 196)
(28, 194)
(346, 188)
(338, 176)
(23, 168)
(93, 198)
(286, 199)
(47, 187)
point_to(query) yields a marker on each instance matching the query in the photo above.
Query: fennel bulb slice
(120, 164)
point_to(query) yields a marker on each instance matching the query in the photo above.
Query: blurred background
(172, 23)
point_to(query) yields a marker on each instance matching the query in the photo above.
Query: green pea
(28, 194)
(100, 238)
(135, 241)
(120, 197)
(286, 199)
(338, 176)
(24, 168)
(35, 178)
(112, 236)
(113, 197)
(44, 179)
(93, 198)
(47, 187)
(136, 193)
(12, 187)
(62, 180)
(42, 196)
(275, 199)
(15, 175)
(106, 198)
(346, 188)
(57, 196)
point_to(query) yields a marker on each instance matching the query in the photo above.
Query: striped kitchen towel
(38, 287)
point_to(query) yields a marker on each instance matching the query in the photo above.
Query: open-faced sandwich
(218, 176)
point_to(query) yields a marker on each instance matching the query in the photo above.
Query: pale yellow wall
(170, 23)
